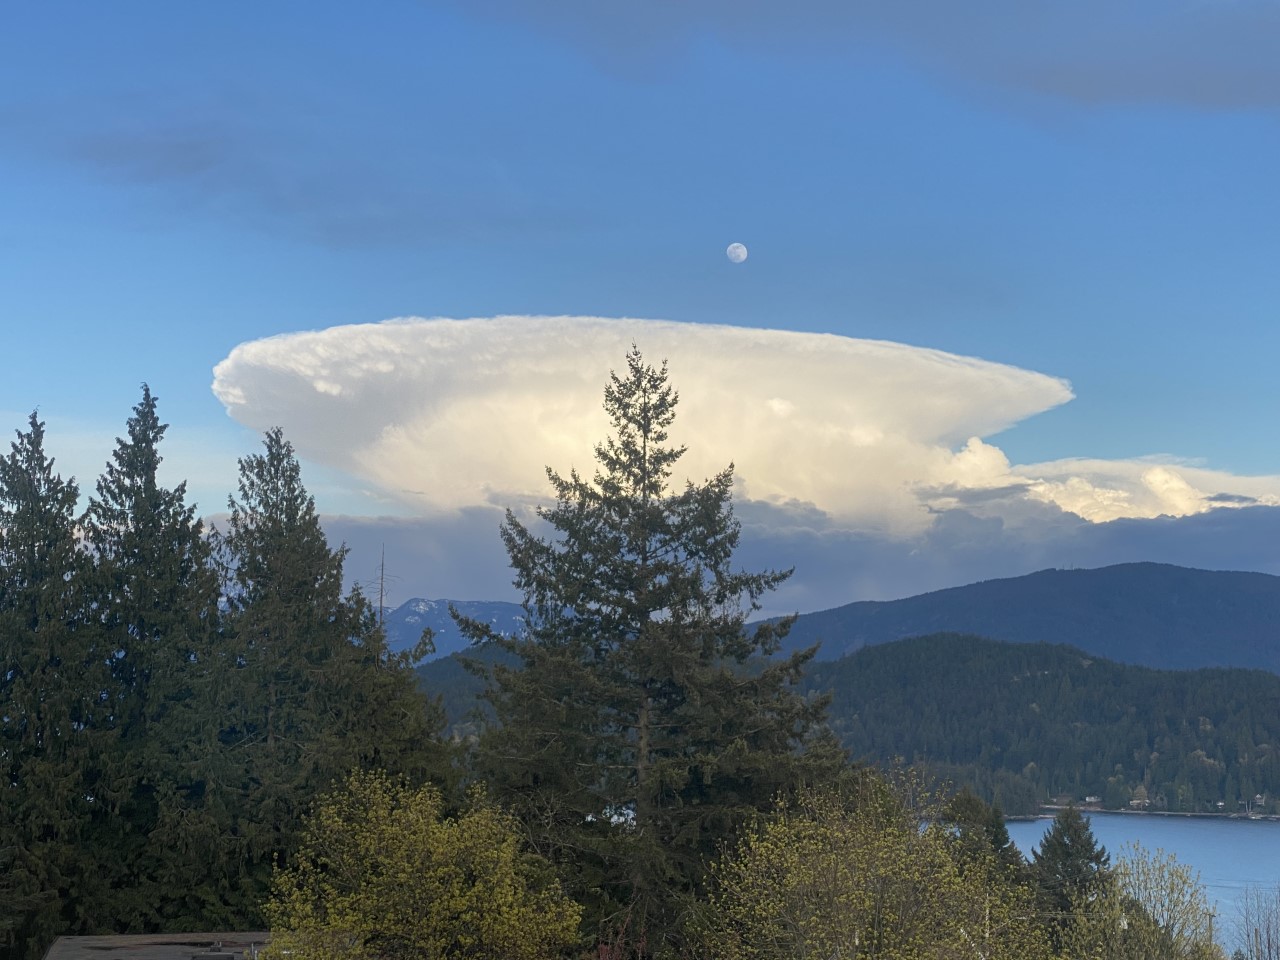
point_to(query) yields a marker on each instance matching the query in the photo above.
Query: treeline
(1024, 723)
(201, 731)
(174, 698)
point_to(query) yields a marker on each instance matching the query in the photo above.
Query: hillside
(1142, 613)
(1023, 722)
(1151, 614)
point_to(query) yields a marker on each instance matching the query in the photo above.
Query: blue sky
(1086, 193)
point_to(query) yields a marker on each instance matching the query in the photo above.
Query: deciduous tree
(383, 874)
(1149, 907)
(1258, 923)
(860, 876)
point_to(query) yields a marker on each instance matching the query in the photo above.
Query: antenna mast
(382, 586)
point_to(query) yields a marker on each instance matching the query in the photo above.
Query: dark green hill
(1024, 722)
(458, 688)
(1144, 613)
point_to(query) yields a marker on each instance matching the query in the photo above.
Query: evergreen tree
(56, 709)
(642, 727)
(980, 836)
(310, 690)
(1069, 867)
(156, 597)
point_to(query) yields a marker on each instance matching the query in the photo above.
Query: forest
(1026, 723)
(1023, 725)
(203, 731)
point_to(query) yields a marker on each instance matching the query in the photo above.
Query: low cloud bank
(461, 558)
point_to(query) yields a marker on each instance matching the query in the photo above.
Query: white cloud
(443, 415)
(447, 414)
(1101, 490)
(870, 466)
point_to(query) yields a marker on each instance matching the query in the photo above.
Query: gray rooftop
(160, 946)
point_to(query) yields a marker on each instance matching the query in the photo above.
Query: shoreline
(1050, 810)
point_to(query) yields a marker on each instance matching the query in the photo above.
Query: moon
(736, 252)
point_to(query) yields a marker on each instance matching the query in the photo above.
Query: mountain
(1152, 614)
(404, 624)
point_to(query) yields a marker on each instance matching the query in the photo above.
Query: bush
(383, 874)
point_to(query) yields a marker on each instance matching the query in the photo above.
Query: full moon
(736, 252)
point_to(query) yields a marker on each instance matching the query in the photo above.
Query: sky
(1010, 300)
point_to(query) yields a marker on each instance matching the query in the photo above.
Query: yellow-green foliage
(1150, 908)
(834, 877)
(382, 873)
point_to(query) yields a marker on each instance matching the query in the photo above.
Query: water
(1229, 854)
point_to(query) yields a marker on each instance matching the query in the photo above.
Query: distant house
(160, 946)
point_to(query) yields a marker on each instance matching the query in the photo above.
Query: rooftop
(160, 946)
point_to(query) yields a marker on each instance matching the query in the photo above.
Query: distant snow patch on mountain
(405, 623)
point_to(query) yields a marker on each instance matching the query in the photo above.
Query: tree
(980, 836)
(311, 690)
(861, 876)
(382, 874)
(1069, 868)
(1150, 907)
(159, 594)
(1258, 923)
(156, 601)
(642, 725)
(56, 715)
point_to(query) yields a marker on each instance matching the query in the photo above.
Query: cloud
(871, 466)
(442, 415)
(1204, 53)
(288, 170)
(1102, 490)
(835, 566)
(446, 414)
(459, 556)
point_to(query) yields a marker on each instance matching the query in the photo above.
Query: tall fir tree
(311, 691)
(642, 725)
(156, 596)
(1068, 868)
(56, 715)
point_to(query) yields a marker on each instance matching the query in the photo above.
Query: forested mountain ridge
(1022, 723)
(1152, 614)
(1025, 722)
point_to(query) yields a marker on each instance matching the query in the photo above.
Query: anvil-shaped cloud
(870, 435)
(453, 413)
